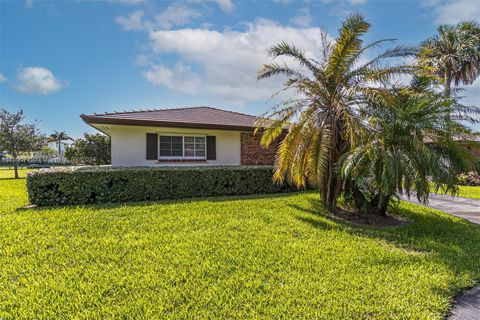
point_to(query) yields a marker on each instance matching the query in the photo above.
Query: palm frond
(274, 69)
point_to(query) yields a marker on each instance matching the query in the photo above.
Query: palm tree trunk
(328, 180)
(383, 205)
(15, 166)
(332, 183)
(59, 149)
(374, 205)
(447, 91)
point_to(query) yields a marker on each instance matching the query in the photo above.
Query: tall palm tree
(453, 54)
(323, 119)
(408, 148)
(58, 137)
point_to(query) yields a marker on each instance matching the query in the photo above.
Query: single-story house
(182, 136)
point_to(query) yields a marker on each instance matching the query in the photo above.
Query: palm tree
(324, 119)
(454, 54)
(409, 148)
(58, 137)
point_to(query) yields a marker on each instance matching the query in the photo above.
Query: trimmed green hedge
(81, 185)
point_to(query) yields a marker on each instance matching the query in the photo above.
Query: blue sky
(59, 59)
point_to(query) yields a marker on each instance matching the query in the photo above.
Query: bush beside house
(82, 185)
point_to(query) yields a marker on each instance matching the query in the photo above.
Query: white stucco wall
(129, 147)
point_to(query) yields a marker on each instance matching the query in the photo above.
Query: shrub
(93, 149)
(471, 178)
(82, 185)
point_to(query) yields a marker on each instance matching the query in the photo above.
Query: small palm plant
(409, 148)
(323, 121)
(58, 137)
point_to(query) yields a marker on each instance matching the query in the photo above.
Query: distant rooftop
(189, 117)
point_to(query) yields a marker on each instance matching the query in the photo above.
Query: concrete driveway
(461, 207)
(467, 305)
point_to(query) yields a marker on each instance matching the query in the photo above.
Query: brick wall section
(252, 153)
(474, 151)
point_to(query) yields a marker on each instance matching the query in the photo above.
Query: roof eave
(83, 116)
(103, 120)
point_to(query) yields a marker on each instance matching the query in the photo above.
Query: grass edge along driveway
(272, 256)
(469, 192)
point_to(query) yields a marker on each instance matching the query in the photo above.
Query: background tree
(17, 138)
(58, 137)
(93, 149)
(409, 148)
(324, 121)
(453, 54)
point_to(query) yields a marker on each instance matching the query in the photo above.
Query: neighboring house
(182, 136)
(63, 146)
(3, 155)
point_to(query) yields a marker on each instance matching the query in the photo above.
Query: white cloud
(356, 1)
(159, 75)
(28, 4)
(342, 3)
(430, 3)
(303, 19)
(132, 22)
(224, 64)
(452, 12)
(175, 15)
(37, 80)
(142, 60)
(129, 2)
(225, 5)
(2, 78)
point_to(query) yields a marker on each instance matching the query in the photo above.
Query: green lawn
(8, 173)
(469, 192)
(245, 257)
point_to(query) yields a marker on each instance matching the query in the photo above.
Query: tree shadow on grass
(451, 241)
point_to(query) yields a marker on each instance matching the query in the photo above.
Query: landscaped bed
(230, 257)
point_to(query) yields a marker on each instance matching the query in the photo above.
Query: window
(171, 146)
(179, 147)
(194, 147)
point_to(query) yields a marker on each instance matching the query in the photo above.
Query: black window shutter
(152, 146)
(211, 148)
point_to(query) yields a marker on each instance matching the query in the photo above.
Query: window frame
(183, 157)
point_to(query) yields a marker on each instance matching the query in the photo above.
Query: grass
(8, 173)
(246, 257)
(469, 192)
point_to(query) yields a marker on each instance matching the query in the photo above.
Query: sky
(60, 59)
